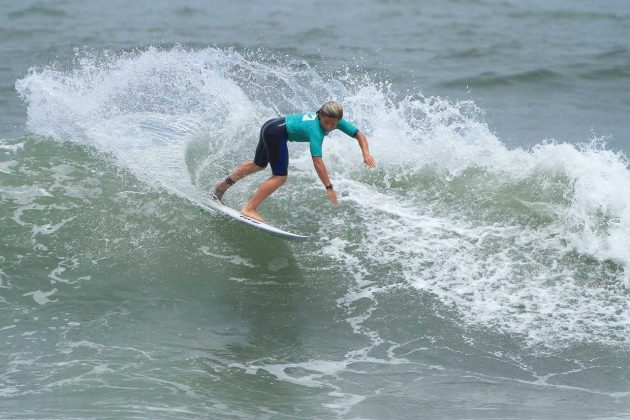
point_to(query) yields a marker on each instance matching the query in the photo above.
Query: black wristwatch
(329, 187)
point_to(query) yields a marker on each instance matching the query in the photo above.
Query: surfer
(272, 149)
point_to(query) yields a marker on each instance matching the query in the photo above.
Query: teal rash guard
(306, 128)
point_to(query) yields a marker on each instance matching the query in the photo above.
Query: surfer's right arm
(363, 144)
(321, 170)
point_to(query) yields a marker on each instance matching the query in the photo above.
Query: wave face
(529, 242)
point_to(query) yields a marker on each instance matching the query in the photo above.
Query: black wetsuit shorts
(272, 147)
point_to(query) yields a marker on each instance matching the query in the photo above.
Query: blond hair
(331, 109)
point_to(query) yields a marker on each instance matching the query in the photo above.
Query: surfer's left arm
(365, 150)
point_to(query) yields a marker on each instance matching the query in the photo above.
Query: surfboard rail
(216, 205)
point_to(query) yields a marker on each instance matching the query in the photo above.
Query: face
(328, 123)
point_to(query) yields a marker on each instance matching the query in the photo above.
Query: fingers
(333, 197)
(369, 161)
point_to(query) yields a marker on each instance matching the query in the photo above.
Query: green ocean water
(480, 271)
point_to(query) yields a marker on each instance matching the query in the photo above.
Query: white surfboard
(215, 204)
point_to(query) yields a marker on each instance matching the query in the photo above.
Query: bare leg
(241, 171)
(265, 190)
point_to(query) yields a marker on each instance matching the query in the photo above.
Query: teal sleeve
(347, 127)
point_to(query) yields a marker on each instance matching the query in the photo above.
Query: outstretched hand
(332, 195)
(369, 161)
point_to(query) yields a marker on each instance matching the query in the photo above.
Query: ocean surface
(482, 270)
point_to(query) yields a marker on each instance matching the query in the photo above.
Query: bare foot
(252, 214)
